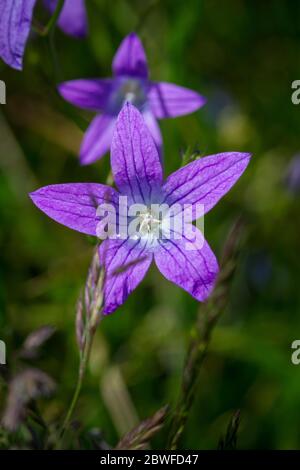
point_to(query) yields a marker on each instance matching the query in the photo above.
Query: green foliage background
(243, 56)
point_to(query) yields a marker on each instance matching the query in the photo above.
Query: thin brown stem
(209, 314)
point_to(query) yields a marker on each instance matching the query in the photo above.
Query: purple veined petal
(125, 264)
(97, 139)
(195, 270)
(15, 23)
(73, 17)
(92, 94)
(206, 180)
(168, 100)
(134, 158)
(153, 127)
(130, 58)
(75, 204)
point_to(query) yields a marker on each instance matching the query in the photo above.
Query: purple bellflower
(138, 175)
(156, 100)
(15, 24)
(73, 17)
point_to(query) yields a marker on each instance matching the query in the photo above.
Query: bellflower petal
(206, 180)
(130, 59)
(15, 23)
(87, 94)
(73, 17)
(75, 204)
(193, 270)
(97, 139)
(153, 127)
(125, 264)
(168, 100)
(134, 158)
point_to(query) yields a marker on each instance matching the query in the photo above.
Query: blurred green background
(243, 56)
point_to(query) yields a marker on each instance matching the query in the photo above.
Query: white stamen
(149, 226)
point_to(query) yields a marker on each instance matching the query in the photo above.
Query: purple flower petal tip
(90, 94)
(15, 24)
(75, 204)
(97, 139)
(204, 181)
(130, 58)
(168, 100)
(194, 271)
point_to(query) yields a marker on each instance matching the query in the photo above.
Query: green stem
(44, 31)
(82, 369)
(55, 63)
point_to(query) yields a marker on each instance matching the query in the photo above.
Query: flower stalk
(209, 314)
(82, 368)
(88, 317)
(46, 30)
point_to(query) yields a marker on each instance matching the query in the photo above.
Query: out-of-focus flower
(15, 24)
(259, 269)
(292, 176)
(138, 175)
(140, 437)
(28, 385)
(73, 17)
(35, 341)
(156, 100)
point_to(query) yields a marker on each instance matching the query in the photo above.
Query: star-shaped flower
(156, 100)
(15, 24)
(138, 175)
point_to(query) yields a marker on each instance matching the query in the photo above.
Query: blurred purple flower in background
(15, 24)
(155, 100)
(138, 175)
(73, 17)
(292, 176)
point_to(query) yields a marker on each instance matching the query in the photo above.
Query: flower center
(132, 91)
(129, 90)
(149, 224)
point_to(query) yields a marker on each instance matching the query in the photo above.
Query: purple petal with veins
(169, 100)
(130, 59)
(135, 160)
(195, 270)
(97, 139)
(90, 94)
(75, 204)
(125, 264)
(205, 180)
(15, 24)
